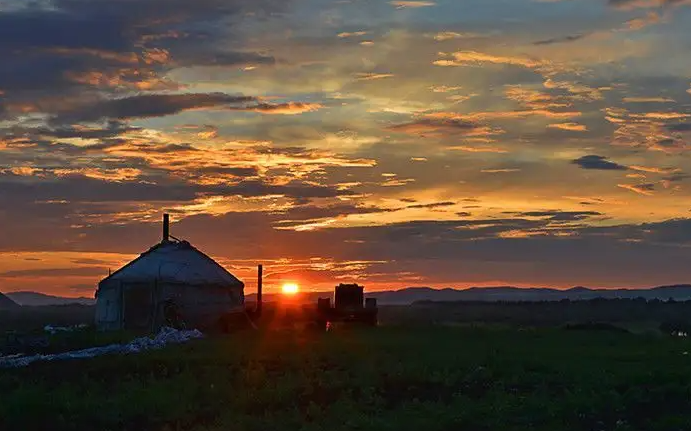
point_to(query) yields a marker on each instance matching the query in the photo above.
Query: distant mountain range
(681, 292)
(509, 293)
(410, 295)
(35, 299)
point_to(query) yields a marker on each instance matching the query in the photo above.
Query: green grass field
(385, 379)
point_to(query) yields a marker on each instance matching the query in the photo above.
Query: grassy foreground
(384, 379)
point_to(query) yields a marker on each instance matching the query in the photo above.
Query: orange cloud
(156, 56)
(444, 88)
(372, 76)
(646, 4)
(411, 4)
(290, 108)
(136, 79)
(209, 132)
(395, 182)
(111, 175)
(642, 189)
(661, 115)
(498, 115)
(448, 35)
(580, 91)
(477, 149)
(647, 130)
(436, 126)
(534, 99)
(654, 170)
(24, 171)
(639, 23)
(647, 100)
(572, 127)
(469, 58)
(353, 34)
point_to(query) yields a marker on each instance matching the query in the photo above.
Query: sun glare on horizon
(290, 288)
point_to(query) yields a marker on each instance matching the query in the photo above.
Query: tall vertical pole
(260, 270)
(166, 227)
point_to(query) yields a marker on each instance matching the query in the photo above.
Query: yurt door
(139, 307)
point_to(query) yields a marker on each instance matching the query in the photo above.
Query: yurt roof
(175, 262)
(6, 303)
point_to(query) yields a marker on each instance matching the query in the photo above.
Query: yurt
(171, 284)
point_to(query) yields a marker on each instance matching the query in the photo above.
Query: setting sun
(290, 288)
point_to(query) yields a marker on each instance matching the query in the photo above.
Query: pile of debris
(164, 337)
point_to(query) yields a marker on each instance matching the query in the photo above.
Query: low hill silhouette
(35, 299)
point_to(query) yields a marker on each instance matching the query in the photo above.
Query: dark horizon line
(429, 288)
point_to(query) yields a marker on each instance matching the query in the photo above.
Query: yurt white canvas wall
(171, 279)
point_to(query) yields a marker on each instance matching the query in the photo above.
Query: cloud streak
(641, 189)
(150, 105)
(595, 162)
(411, 4)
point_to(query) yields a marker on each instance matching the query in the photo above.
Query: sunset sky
(445, 143)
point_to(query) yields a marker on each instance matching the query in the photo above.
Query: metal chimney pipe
(260, 270)
(166, 227)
